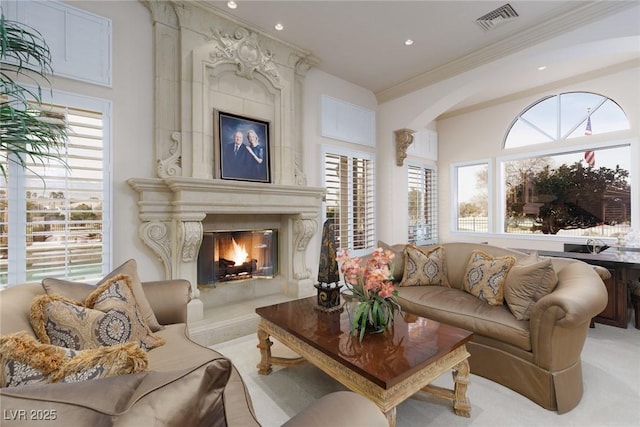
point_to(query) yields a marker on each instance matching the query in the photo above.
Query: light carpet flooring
(611, 376)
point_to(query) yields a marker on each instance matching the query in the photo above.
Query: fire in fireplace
(235, 255)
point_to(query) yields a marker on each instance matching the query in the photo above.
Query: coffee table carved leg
(267, 360)
(391, 417)
(461, 404)
(264, 344)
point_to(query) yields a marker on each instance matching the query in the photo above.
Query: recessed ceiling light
(542, 67)
(232, 4)
(408, 42)
(279, 27)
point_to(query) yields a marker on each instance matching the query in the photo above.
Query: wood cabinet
(616, 313)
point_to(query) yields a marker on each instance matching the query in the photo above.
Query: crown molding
(570, 18)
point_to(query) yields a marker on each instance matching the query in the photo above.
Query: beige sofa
(185, 384)
(538, 358)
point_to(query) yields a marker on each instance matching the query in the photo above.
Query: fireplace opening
(236, 255)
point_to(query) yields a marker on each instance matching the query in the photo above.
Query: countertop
(629, 257)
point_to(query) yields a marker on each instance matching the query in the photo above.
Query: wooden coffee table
(387, 368)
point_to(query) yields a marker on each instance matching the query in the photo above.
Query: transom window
(565, 116)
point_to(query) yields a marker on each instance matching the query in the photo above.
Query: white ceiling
(363, 41)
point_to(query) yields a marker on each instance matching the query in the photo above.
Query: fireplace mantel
(190, 198)
(172, 211)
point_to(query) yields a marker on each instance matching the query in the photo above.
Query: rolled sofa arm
(168, 300)
(560, 321)
(579, 296)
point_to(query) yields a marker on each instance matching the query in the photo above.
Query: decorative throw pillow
(24, 361)
(398, 260)
(80, 291)
(485, 276)
(526, 284)
(424, 267)
(109, 316)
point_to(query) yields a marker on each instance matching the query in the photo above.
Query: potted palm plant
(29, 132)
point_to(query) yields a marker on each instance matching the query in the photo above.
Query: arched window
(571, 190)
(564, 116)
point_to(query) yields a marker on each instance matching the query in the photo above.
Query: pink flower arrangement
(371, 285)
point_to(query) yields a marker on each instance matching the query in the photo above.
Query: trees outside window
(578, 188)
(564, 194)
(472, 198)
(585, 192)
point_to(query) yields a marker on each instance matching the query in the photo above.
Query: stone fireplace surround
(205, 62)
(173, 211)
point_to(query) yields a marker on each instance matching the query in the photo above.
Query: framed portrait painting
(243, 147)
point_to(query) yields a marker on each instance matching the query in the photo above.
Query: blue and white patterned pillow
(109, 316)
(485, 276)
(424, 267)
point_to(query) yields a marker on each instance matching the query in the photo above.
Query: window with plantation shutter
(422, 208)
(350, 201)
(53, 219)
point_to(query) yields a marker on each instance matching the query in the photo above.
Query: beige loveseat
(539, 357)
(185, 384)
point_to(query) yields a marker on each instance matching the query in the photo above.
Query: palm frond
(28, 134)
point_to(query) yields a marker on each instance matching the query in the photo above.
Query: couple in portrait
(244, 157)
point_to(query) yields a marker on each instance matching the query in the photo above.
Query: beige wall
(479, 134)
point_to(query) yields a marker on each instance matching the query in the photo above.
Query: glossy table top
(412, 343)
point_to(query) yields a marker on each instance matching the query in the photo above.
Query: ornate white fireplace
(207, 62)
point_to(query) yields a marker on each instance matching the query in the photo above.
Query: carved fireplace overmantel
(206, 62)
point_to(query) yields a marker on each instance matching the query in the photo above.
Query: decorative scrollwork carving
(244, 50)
(191, 238)
(156, 235)
(172, 165)
(303, 229)
(304, 64)
(404, 138)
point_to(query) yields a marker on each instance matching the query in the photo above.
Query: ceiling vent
(496, 17)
